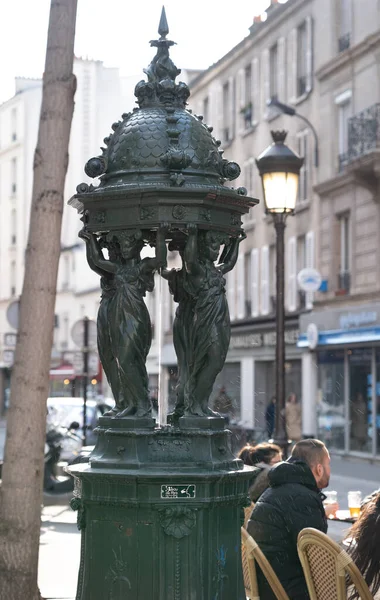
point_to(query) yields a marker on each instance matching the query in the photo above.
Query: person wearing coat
(293, 418)
(292, 502)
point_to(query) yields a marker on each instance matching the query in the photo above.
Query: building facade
(276, 59)
(322, 58)
(340, 336)
(100, 98)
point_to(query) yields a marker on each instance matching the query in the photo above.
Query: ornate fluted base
(160, 512)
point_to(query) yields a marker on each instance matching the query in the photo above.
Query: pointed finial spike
(163, 28)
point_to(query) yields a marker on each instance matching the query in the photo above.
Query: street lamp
(279, 169)
(291, 112)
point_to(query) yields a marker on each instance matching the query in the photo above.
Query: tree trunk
(21, 491)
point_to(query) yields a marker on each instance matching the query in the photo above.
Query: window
(241, 289)
(264, 280)
(301, 264)
(66, 272)
(13, 226)
(247, 110)
(301, 59)
(273, 71)
(206, 109)
(227, 108)
(14, 124)
(13, 175)
(13, 278)
(344, 253)
(247, 284)
(343, 102)
(303, 150)
(345, 18)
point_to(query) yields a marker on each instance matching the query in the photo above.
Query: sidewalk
(59, 553)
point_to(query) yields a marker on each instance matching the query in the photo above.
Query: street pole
(85, 376)
(280, 435)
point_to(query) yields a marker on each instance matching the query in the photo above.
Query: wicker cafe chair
(251, 553)
(329, 570)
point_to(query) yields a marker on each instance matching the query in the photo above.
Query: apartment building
(322, 58)
(276, 59)
(340, 336)
(100, 99)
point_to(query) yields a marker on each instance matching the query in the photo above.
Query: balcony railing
(363, 134)
(344, 42)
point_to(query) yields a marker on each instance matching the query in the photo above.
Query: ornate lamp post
(160, 508)
(279, 168)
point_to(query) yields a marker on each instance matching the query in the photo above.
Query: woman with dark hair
(263, 456)
(364, 547)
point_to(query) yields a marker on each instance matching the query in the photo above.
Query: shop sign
(357, 319)
(257, 340)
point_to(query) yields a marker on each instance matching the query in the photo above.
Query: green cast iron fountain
(160, 507)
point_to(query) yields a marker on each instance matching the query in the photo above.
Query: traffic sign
(77, 333)
(309, 280)
(10, 340)
(13, 313)
(8, 357)
(93, 363)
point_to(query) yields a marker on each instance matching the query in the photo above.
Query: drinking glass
(331, 504)
(354, 502)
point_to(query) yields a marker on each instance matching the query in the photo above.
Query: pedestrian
(292, 502)
(293, 418)
(270, 416)
(263, 456)
(364, 546)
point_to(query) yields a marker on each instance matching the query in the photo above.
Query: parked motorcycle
(56, 437)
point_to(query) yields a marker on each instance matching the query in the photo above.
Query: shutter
(264, 282)
(240, 98)
(281, 68)
(231, 293)
(231, 108)
(292, 274)
(265, 81)
(240, 287)
(309, 259)
(254, 282)
(292, 66)
(219, 112)
(309, 54)
(255, 94)
(241, 88)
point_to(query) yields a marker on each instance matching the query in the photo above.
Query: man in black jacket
(293, 501)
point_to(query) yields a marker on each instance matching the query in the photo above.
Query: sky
(118, 33)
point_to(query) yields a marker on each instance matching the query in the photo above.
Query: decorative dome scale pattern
(161, 142)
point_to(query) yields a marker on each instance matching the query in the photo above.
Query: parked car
(63, 411)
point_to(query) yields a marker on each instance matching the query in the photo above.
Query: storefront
(249, 373)
(341, 363)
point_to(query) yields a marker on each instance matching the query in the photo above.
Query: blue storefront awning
(343, 337)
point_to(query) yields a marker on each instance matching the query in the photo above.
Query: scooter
(53, 447)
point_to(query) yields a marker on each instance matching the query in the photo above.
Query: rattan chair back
(329, 570)
(251, 554)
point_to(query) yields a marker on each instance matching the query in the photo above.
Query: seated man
(293, 501)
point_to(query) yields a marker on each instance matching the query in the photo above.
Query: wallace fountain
(160, 506)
